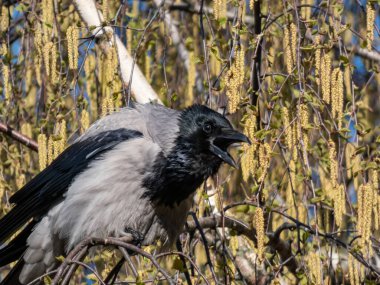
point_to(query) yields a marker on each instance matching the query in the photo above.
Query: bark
(141, 89)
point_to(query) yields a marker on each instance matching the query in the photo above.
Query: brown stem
(18, 137)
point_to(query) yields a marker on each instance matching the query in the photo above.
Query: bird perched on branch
(132, 172)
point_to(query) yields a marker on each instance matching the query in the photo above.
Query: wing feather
(49, 186)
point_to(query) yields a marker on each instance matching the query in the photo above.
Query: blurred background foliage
(302, 80)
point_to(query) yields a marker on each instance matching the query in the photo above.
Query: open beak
(223, 140)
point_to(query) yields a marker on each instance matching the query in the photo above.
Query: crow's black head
(209, 133)
(199, 150)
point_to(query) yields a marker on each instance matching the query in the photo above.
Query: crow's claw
(138, 237)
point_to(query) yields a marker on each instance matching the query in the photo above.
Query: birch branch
(141, 89)
(175, 35)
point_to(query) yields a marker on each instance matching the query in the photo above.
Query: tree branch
(28, 142)
(141, 89)
(283, 248)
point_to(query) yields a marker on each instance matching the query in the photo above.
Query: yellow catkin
(50, 150)
(38, 42)
(292, 170)
(191, 79)
(84, 121)
(89, 68)
(348, 82)
(315, 267)
(2, 184)
(6, 81)
(216, 8)
(333, 164)
(105, 9)
(111, 64)
(364, 221)
(47, 58)
(304, 116)
(334, 93)
(239, 65)
(215, 65)
(72, 46)
(293, 39)
(354, 270)
(53, 60)
(317, 41)
(75, 37)
(339, 204)
(340, 99)
(264, 159)
(63, 136)
(302, 214)
(26, 129)
(306, 11)
(6, 74)
(4, 49)
(296, 137)
(326, 77)
(4, 19)
(231, 91)
(250, 126)
(135, 9)
(248, 162)
(374, 175)
(251, 4)
(110, 104)
(288, 51)
(378, 207)
(42, 154)
(304, 119)
(370, 24)
(234, 79)
(104, 106)
(287, 127)
(220, 9)
(337, 95)
(260, 232)
(56, 148)
(147, 66)
(289, 198)
(48, 18)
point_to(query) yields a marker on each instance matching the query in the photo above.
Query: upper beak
(225, 139)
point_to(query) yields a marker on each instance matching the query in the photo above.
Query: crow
(134, 171)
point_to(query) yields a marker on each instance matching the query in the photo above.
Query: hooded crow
(134, 171)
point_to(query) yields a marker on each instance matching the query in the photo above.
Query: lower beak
(226, 138)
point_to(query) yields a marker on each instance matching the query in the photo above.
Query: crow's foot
(138, 237)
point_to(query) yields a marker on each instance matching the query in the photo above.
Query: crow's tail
(13, 276)
(17, 246)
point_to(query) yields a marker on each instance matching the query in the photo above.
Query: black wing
(48, 188)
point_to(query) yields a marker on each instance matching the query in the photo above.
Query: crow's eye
(207, 128)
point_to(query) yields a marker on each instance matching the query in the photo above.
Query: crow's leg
(137, 236)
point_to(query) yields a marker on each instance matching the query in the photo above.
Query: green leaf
(344, 59)
(178, 264)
